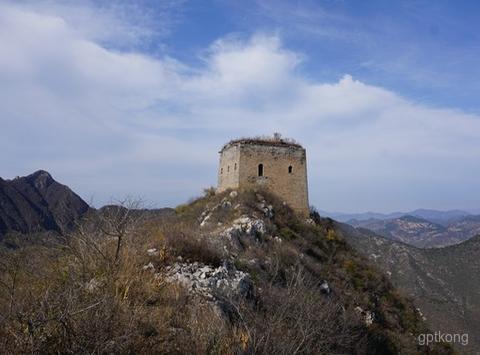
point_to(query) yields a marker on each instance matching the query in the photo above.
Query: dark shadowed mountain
(443, 282)
(38, 203)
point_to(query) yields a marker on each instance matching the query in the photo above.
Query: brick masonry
(284, 169)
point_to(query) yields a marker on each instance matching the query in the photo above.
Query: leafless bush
(93, 296)
(89, 296)
(189, 243)
(209, 191)
(296, 319)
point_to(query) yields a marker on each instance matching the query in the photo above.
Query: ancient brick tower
(276, 164)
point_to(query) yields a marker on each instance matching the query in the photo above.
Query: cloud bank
(111, 121)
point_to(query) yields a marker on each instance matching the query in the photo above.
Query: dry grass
(92, 295)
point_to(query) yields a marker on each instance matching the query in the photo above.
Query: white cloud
(111, 123)
(119, 24)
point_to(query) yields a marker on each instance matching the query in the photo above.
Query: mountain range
(233, 262)
(443, 282)
(421, 228)
(421, 232)
(435, 216)
(37, 203)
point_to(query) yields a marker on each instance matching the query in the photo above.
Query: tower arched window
(290, 169)
(260, 169)
(235, 167)
(221, 171)
(228, 168)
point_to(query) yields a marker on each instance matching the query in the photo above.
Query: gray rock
(226, 203)
(246, 225)
(368, 316)
(211, 282)
(149, 266)
(152, 252)
(325, 288)
(205, 219)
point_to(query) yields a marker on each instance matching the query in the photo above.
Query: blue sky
(119, 98)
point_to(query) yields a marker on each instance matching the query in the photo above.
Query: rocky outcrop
(245, 225)
(209, 281)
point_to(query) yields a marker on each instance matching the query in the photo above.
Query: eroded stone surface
(247, 226)
(209, 281)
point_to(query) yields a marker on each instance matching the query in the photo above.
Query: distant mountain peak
(40, 173)
(410, 218)
(36, 203)
(41, 179)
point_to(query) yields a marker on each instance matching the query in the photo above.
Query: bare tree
(117, 222)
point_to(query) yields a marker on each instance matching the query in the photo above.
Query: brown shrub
(298, 318)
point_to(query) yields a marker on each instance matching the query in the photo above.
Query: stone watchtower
(276, 164)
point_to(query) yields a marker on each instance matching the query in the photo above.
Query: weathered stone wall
(228, 177)
(290, 186)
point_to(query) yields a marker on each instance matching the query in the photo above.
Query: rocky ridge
(259, 240)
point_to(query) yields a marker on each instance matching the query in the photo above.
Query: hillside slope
(421, 232)
(37, 203)
(443, 282)
(465, 228)
(408, 229)
(248, 275)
